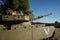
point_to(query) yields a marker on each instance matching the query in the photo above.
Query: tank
(18, 26)
(16, 23)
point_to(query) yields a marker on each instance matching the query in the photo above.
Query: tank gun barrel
(42, 16)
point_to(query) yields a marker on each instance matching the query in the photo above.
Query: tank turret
(15, 16)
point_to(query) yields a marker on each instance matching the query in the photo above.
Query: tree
(2, 8)
(12, 4)
(23, 5)
(57, 24)
(16, 4)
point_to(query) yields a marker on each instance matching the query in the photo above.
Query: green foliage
(23, 5)
(57, 24)
(16, 4)
(8, 4)
(2, 9)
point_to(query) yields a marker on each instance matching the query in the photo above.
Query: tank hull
(19, 32)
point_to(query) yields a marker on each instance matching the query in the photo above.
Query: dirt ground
(57, 34)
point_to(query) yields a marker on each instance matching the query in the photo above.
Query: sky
(42, 7)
